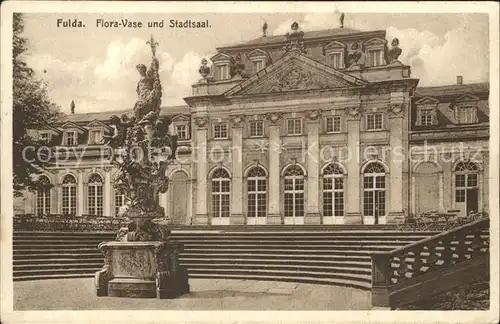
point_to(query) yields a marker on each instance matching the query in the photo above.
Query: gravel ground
(206, 294)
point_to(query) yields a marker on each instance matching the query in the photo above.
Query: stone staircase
(334, 254)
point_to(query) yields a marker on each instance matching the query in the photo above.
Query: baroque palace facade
(322, 127)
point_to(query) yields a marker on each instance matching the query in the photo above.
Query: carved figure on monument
(149, 90)
(394, 52)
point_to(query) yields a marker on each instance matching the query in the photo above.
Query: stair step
(59, 266)
(57, 260)
(53, 276)
(310, 274)
(330, 256)
(325, 281)
(268, 261)
(323, 270)
(56, 271)
(39, 256)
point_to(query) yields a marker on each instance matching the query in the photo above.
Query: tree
(32, 109)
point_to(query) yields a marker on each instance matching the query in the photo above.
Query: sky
(95, 67)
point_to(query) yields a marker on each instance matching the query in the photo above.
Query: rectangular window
(220, 131)
(374, 121)
(333, 124)
(426, 117)
(374, 58)
(258, 65)
(119, 202)
(95, 137)
(45, 137)
(223, 71)
(335, 60)
(70, 139)
(182, 132)
(294, 126)
(256, 128)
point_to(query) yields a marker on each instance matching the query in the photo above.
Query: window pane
(339, 183)
(327, 183)
(460, 180)
(327, 204)
(368, 203)
(368, 182)
(472, 180)
(460, 195)
(339, 204)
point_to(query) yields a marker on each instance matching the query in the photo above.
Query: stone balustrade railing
(394, 271)
(56, 222)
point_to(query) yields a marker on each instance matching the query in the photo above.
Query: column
(313, 216)
(353, 214)
(201, 215)
(441, 191)
(273, 213)
(237, 172)
(396, 190)
(80, 196)
(107, 193)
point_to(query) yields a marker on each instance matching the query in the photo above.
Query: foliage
(32, 109)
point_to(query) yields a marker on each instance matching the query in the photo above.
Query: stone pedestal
(237, 219)
(312, 218)
(395, 218)
(141, 270)
(273, 219)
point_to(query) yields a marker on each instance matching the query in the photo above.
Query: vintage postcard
(213, 162)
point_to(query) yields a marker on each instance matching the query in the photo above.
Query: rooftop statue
(394, 52)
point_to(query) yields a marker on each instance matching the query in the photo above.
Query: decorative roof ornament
(264, 29)
(394, 52)
(239, 66)
(72, 107)
(295, 42)
(355, 55)
(342, 20)
(204, 69)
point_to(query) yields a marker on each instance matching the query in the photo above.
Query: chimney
(460, 79)
(72, 107)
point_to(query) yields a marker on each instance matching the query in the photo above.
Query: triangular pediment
(221, 57)
(427, 101)
(467, 97)
(258, 53)
(181, 117)
(71, 125)
(295, 72)
(376, 41)
(335, 45)
(97, 124)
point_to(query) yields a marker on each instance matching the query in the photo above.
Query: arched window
(256, 191)
(221, 193)
(333, 191)
(119, 201)
(69, 195)
(466, 186)
(95, 196)
(294, 192)
(374, 190)
(43, 196)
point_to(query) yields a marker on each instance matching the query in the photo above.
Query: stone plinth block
(312, 218)
(141, 270)
(395, 218)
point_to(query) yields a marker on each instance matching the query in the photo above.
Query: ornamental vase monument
(142, 261)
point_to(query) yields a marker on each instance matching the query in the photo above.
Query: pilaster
(237, 172)
(273, 213)
(353, 213)
(201, 134)
(107, 192)
(80, 195)
(313, 215)
(396, 190)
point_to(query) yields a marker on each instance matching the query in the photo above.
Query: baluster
(476, 244)
(417, 263)
(403, 267)
(461, 249)
(447, 254)
(432, 258)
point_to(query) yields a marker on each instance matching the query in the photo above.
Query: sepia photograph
(250, 157)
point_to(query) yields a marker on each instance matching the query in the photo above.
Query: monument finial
(342, 15)
(264, 29)
(153, 44)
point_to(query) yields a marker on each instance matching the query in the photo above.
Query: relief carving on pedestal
(237, 120)
(313, 114)
(134, 262)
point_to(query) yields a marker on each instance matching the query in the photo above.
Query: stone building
(319, 127)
